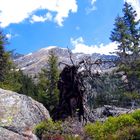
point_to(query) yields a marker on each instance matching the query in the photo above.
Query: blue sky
(83, 25)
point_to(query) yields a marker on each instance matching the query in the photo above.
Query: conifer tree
(11, 81)
(119, 35)
(127, 34)
(133, 30)
(3, 56)
(27, 85)
(48, 91)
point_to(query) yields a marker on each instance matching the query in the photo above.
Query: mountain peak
(48, 48)
(33, 62)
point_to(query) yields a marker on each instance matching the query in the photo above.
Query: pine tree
(3, 56)
(133, 71)
(48, 92)
(127, 34)
(10, 77)
(27, 85)
(133, 30)
(11, 81)
(119, 35)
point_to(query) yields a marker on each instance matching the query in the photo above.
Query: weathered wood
(72, 89)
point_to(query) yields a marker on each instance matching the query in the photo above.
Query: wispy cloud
(136, 5)
(16, 11)
(92, 7)
(11, 35)
(80, 47)
(47, 17)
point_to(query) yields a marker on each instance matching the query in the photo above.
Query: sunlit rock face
(19, 113)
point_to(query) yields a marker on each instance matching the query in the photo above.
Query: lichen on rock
(19, 112)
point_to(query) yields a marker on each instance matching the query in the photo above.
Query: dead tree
(71, 93)
(72, 89)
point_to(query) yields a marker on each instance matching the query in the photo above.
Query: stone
(10, 135)
(19, 113)
(102, 113)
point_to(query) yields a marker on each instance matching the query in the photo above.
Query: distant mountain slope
(32, 63)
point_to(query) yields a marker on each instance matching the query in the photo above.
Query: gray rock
(19, 113)
(102, 113)
(9, 135)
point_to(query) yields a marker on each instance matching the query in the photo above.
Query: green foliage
(127, 133)
(127, 34)
(11, 81)
(114, 123)
(107, 90)
(4, 57)
(115, 127)
(28, 86)
(71, 137)
(48, 128)
(16, 81)
(95, 131)
(10, 77)
(136, 116)
(48, 92)
(51, 130)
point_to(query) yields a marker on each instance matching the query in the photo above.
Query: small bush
(127, 133)
(52, 137)
(40, 128)
(72, 137)
(94, 130)
(48, 128)
(114, 123)
(124, 127)
(136, 116)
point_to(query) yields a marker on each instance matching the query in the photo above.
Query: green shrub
(114, 123)
(48, 128)
(123, 127)
(52, 137)
(40, 128)
(94, 130)
(71, 137)
(54, 130)
(136, 115)
(127, 133)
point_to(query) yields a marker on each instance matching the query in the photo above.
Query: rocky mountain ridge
(32, 63)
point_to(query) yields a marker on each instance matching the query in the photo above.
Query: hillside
(32, 63)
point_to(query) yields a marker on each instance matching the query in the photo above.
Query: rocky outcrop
(102, 113)
(18, 115)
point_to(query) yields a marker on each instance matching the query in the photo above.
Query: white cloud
(136, 5)
(92, 7)
(11, 35)
(47, 17)
(93, 1)
(67, 5)
(76, 41)
(16, 11)
(81, 47)
(8, 36)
